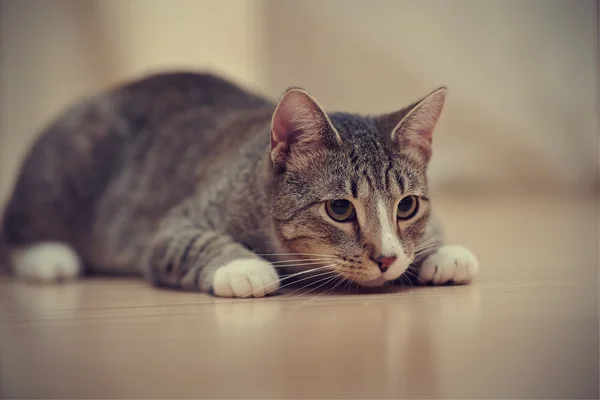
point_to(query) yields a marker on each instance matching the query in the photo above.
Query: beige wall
(55, 51)
(523, 75)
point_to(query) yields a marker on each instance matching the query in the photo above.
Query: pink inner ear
(420, 123)
(415, 131)
(295, 118)
(280, 125)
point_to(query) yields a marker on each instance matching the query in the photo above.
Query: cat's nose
(384, 262)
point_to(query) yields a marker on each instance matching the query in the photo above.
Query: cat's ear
(299, 124)
(412, 128)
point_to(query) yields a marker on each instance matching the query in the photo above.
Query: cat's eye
(408, 207)
(340, 210)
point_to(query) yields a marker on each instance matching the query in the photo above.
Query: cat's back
(159, 95)
(138, 146)
(183, 127)
(159, 115)
(186, 110)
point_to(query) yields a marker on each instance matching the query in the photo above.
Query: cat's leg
(185, 256)
(45, 262)
(449, 264)
(34, 243)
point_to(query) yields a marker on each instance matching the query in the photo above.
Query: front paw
(449, 264)
(245, 277)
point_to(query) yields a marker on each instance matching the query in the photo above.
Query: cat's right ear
(412, 127)
(299, 124)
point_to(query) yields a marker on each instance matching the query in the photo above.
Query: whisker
(351, 283)
(301, 260)
(435, 239)
(415, 275)
(302, 264)
(289, 283)
(423, 248)
(407, 280)
(293, 254)
(432, 239)
(426, 250)
(336, 284)
(315, 288)
(332, 275)
(336, 279)
(428, 244)
(308, 277)
(293, 281)
(308, 271)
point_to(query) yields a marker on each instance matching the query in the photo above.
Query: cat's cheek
(449, 264)
(245, 277)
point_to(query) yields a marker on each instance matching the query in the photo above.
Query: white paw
(449, 264)
(245, 277)
(46, 262)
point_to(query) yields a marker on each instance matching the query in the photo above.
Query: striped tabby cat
(200, 185)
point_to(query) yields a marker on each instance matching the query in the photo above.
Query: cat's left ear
(412, 128)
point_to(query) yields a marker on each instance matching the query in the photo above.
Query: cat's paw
(449, 264)
(245, 277)
(46, 262)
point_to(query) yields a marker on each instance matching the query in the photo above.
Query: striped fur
(177, 175)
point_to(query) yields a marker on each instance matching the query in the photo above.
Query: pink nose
(385, 262)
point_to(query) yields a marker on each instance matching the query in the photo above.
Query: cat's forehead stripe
(383, 180)
(353, 188)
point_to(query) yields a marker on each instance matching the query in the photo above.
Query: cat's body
(186, 178)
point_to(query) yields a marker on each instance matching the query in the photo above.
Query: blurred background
(522, 112)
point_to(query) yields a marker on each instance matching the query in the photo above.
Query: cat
(198, 184)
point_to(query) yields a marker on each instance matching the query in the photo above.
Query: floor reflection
(386, 343)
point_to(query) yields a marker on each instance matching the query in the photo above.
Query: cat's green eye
(408, 207)
(340, 210)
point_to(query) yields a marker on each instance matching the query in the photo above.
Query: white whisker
(305, 278)
(293, 254)
(347, 287)
(301, 260)
(294, 281)
(308, 271)
(428, 244)
(302, 265)
(335, 286)
(332, 274)
(406, 279)
(414, 274)
(333, 279)
(289, 283)
(351, 280)
(426, 249)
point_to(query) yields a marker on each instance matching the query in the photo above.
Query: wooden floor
(528, 328)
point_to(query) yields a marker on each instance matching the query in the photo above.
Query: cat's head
(351, 188)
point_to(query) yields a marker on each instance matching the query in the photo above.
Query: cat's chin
(374, 283)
